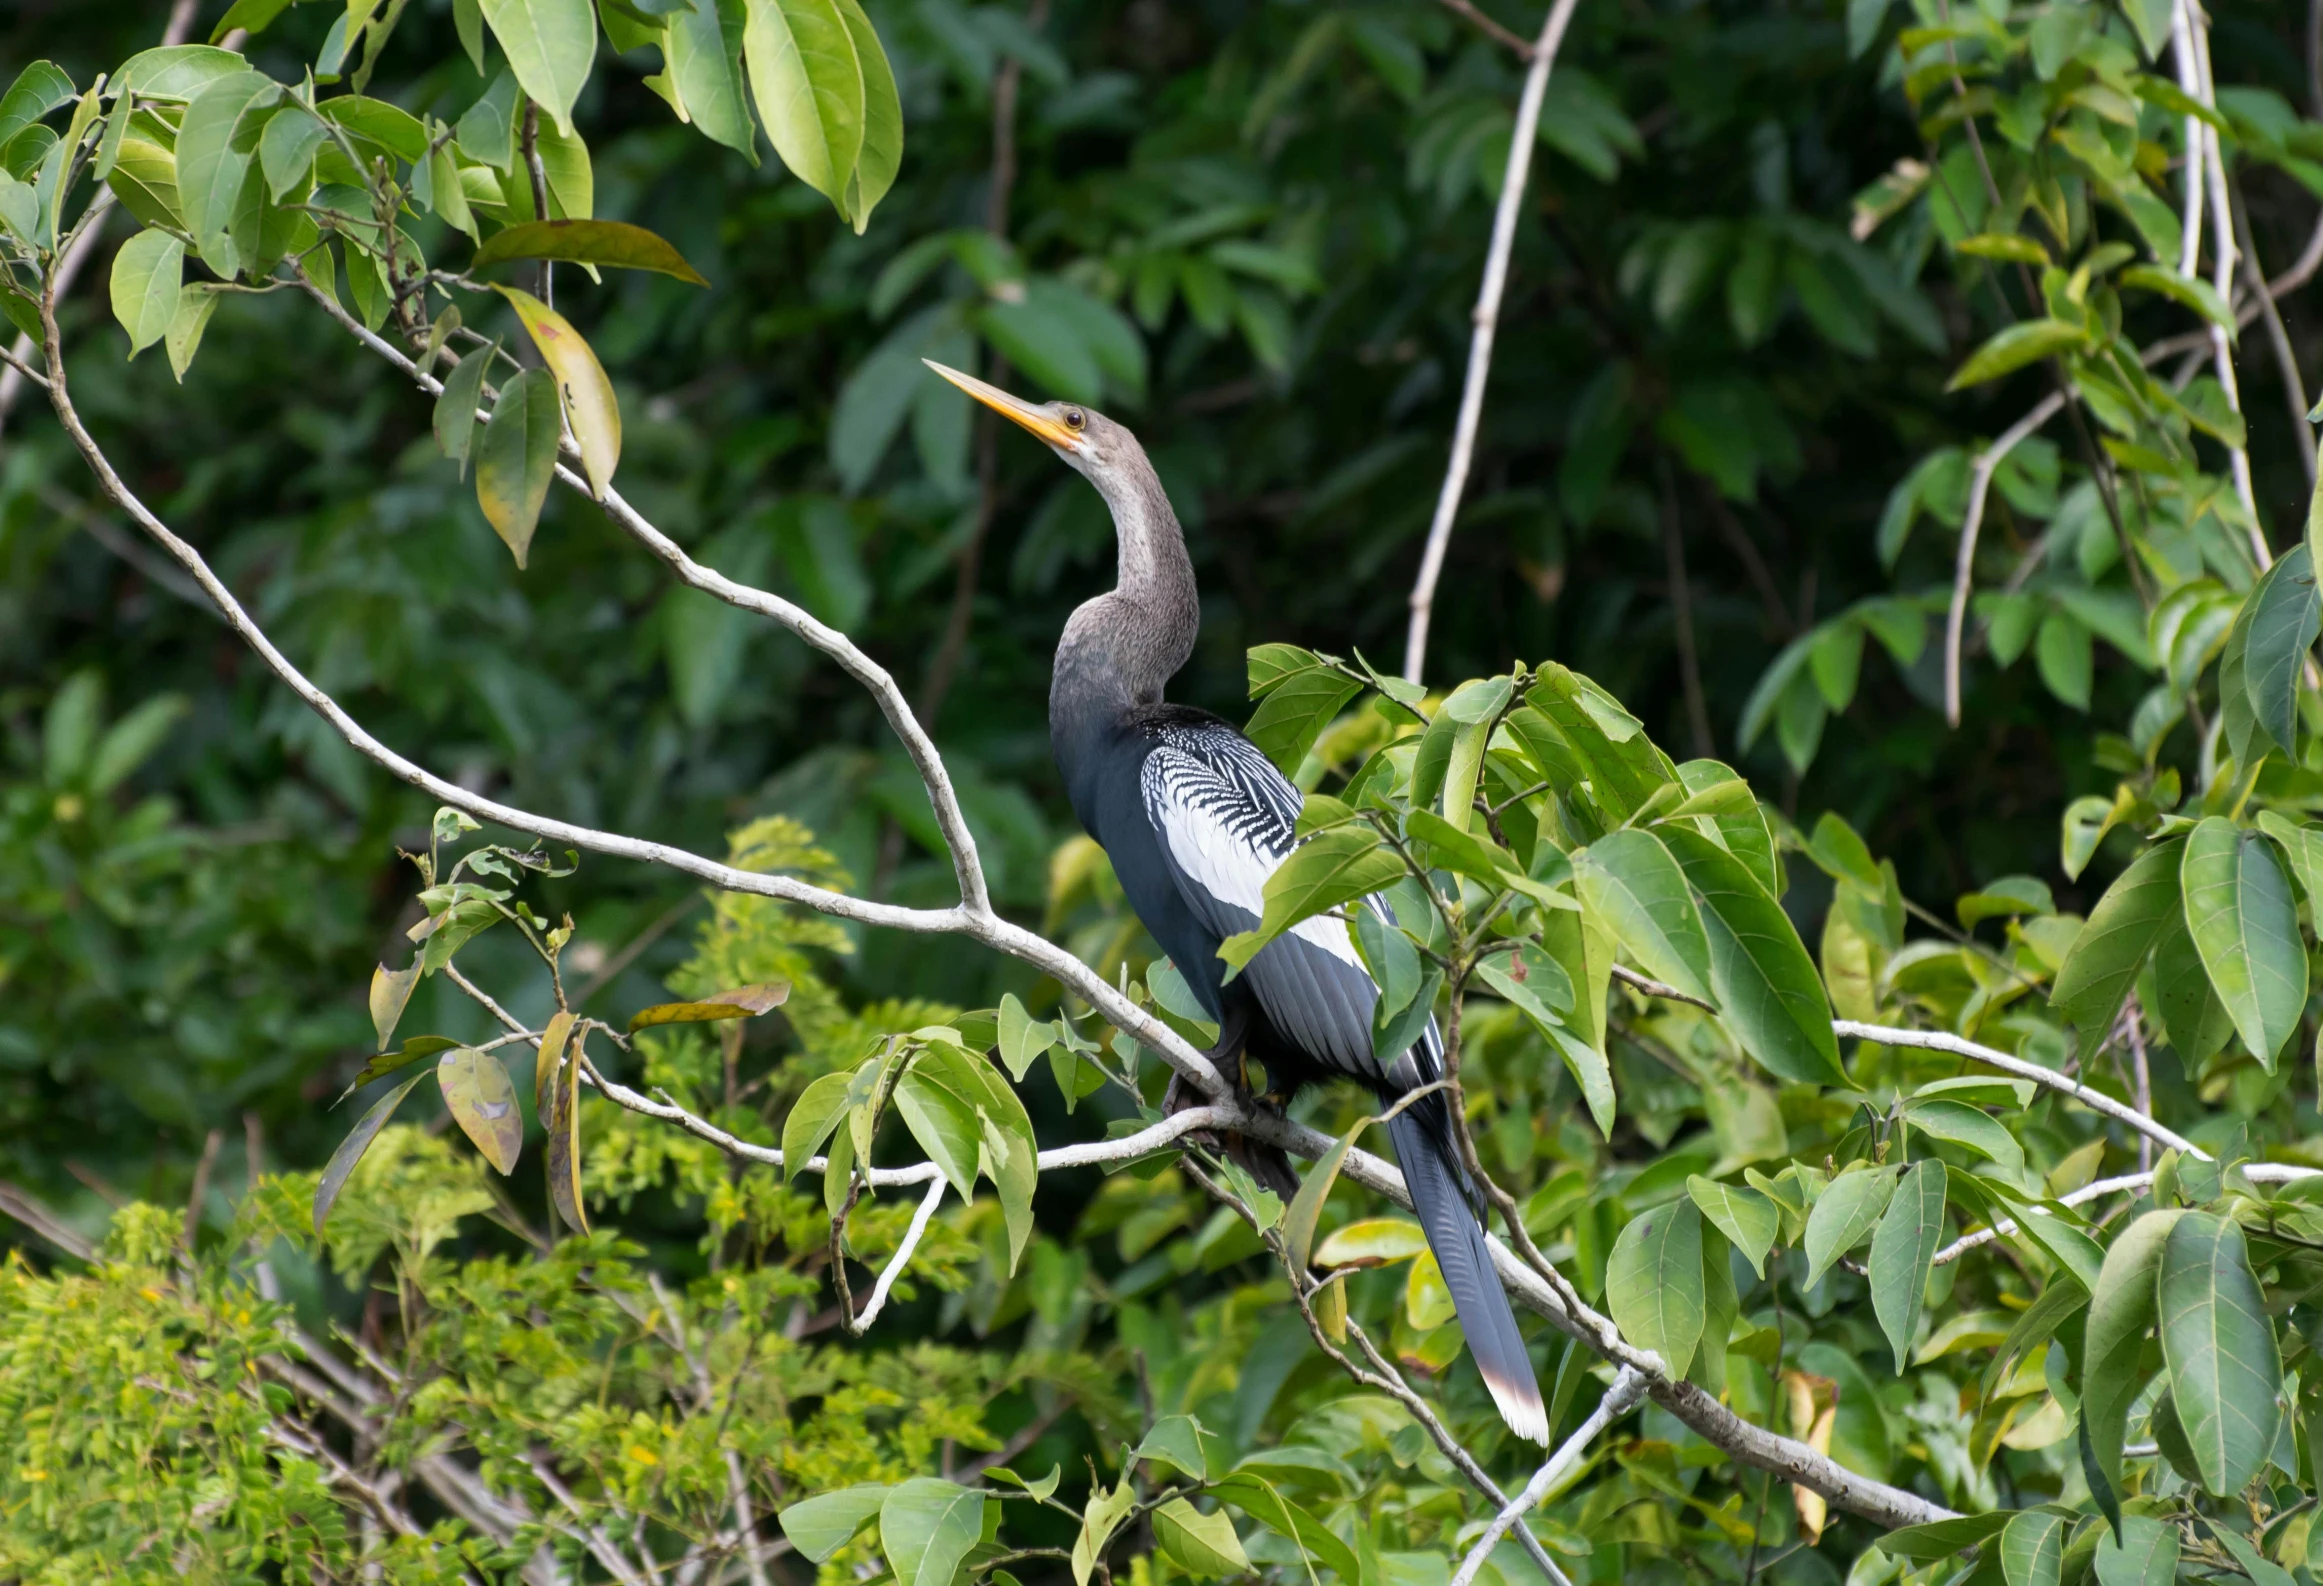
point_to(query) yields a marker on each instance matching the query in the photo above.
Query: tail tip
(1520, 1405)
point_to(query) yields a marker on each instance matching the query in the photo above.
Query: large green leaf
(147, 273)
(211, 168)
(1629, 879)
(550, 44)
(1766, 986)
(702, 46)
(1653, 1283)
(1202, 1545)
(1296, 709)
(811, 1119)
(2246, 927)
(2146, 1554)
(2121, 1308)
(2220, 1348)
(882, 156)
(2103, 961)
(1847, 1210)
(926, 1528)
(808, 81)
(2032, 1548)
(1902, 1246)
(1742, 1214)
(2284, 617)
(2010, 350)
(1327, 870)
(942, 1120)
(819, 1526)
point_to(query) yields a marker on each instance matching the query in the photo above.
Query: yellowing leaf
(589, 404)
(516, 458)
(483, 1104)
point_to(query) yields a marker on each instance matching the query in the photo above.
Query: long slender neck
(1122, 647)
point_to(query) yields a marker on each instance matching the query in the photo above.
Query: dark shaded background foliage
(188, 950)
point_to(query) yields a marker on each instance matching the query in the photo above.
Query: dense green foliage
(1779, 272)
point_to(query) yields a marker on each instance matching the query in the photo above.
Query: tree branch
(1487, 321)
(1628, 1387)
(858, 1324)
(1964, 561)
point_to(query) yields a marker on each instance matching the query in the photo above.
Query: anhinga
(1195, 818)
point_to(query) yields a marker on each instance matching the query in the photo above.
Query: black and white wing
(1227, 818)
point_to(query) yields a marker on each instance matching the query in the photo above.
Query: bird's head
(1086, 439)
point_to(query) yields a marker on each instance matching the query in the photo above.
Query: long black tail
(1440, 1194)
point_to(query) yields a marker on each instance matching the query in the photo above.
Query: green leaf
(811, 1120)
(195, 305)
(1629, 880)
(211, 168)
(1327, 870)
(2220, 1349)
(550, 45)
(927, 1527)
(1259, 1498)
(391, 127)
(613, 243)
(1653, 1283)
(2104, 959)
(1203, 1545)
(455, 411)
(351, 1150)
(1941, 1538)
(1452, 847)
(1022, 1038)
(2146, 1554)
(808, 81)
(1748, 1219)
(2194, 292)
(1183, 1443)
(147, 273)
(1099, 1520)
(882, 156)
(591, 410)
(386, 1063)
(1766, 987)
(942, 1120)
(2032, 1548)
(174, 71)
(2121, 1308)
(253, 16)
(819, 1526)
(1371, 1242)
(1846, 1211)
(742, 1002)
(1962, 1124)
(1306, 1208)
(2026, 342)
(37, 90)
(2284, 618)
(482, 1101)
(1295, 710)
(516, 458)
(2246, 927)
(701, 45)
(1902, 1247)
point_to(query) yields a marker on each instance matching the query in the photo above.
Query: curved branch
(1964, 562)
(1628, 1387)
(875, 679)
(1961, 1046)
(1487, 322)
(2126, 1184)
(858, 1324)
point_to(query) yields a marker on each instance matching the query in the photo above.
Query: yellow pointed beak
(1016, 409)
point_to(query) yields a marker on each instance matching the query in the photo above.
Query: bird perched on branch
(1195, 818)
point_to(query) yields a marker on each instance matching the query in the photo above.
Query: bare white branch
(1629, 1386)
(1964, 561)
(1961, 1046)
(862, 1321)
(1487, 324)
(2126, 1184)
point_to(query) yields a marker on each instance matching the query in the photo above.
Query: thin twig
(1491, 29)
(1682, 614)
(859, 1323)
(2278, 338)
(1964, 561)
(1487, 321)
(1628, 1387)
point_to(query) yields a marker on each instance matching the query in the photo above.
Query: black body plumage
(1194, 818)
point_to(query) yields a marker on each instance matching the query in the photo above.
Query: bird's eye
(1075, 419)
